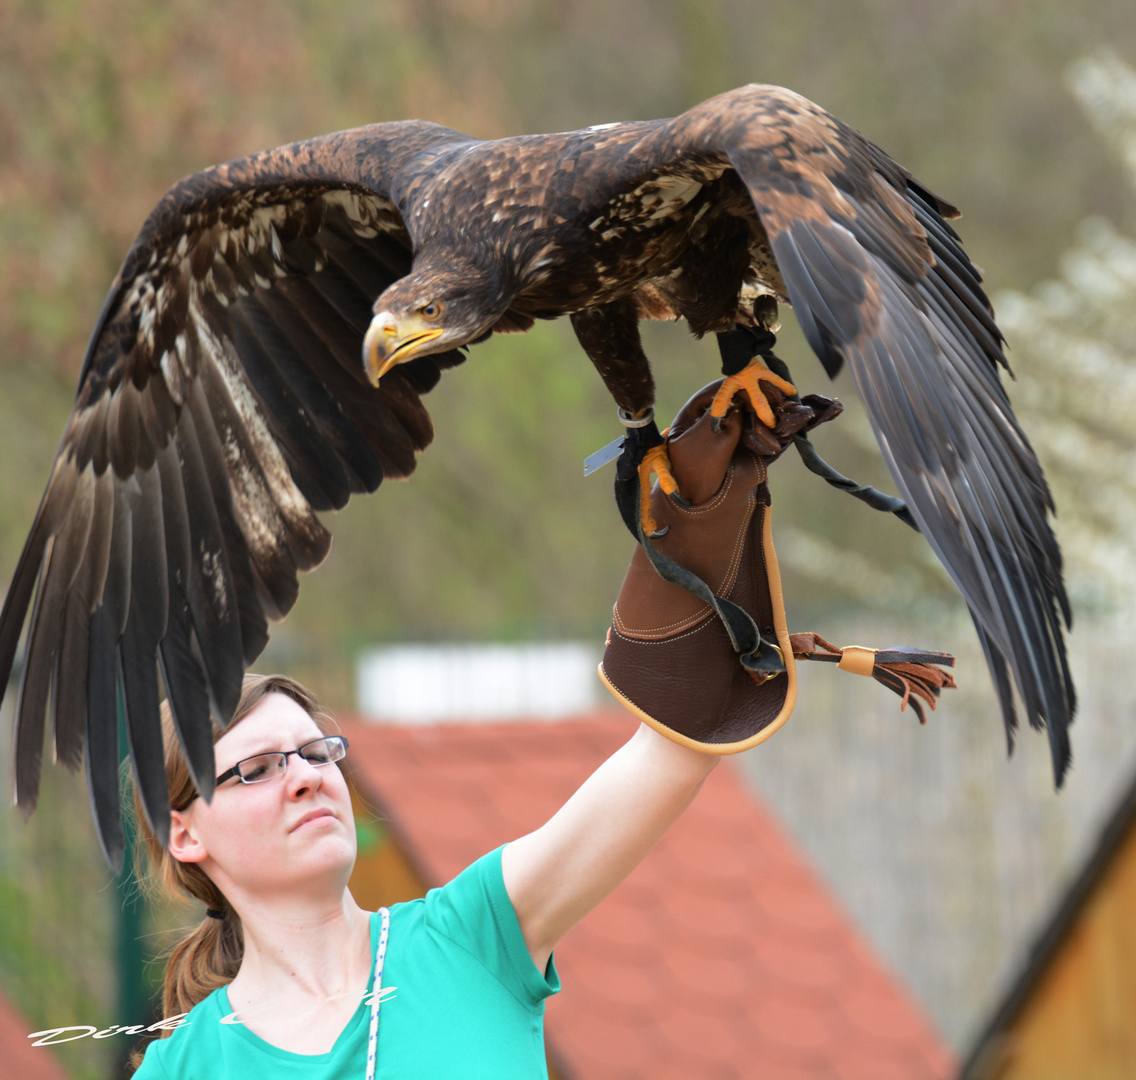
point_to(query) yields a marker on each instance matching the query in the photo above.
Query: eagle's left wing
(877, 277)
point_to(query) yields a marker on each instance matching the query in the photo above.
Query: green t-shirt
(468, 1003)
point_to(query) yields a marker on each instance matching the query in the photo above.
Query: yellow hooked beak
(389, 342)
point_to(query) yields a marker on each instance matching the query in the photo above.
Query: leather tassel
(910, 673)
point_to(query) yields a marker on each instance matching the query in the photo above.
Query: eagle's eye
(431, 310)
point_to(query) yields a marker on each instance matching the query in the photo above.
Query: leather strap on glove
(711, 665)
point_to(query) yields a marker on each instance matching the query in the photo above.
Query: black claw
(660, 532)
(676, 497)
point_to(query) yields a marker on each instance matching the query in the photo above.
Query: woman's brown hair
(210, 955)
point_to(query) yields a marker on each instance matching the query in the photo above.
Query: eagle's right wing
(222, 403)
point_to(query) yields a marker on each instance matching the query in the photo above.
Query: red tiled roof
(21, 1060)
(722, 955)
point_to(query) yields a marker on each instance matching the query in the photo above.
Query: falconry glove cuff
(698, 646)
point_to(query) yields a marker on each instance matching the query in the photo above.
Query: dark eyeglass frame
(228, 774)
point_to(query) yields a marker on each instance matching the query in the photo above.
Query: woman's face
(292, 831)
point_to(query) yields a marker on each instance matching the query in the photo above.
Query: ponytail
(208, 957)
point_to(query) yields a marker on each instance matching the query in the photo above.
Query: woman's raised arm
(557, 874)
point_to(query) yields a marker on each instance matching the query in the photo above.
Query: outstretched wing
(222, 404)
(878, 278)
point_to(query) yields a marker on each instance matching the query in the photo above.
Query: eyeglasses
(254, 770)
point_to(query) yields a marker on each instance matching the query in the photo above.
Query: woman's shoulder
(193, 1039)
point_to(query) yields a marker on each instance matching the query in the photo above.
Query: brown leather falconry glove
(714, 668)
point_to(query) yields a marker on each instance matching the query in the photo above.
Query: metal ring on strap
(628, 421)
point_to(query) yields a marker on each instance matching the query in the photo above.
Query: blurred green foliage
(104, 103)
(56, 918)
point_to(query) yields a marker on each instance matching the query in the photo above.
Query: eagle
(263, 352)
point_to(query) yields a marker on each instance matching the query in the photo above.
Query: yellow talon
(750, 379)
(657, 461)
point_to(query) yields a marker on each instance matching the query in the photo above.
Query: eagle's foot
(657, 461)
(749, 380)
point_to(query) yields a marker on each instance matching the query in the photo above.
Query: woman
(459, 977)
(280, 977)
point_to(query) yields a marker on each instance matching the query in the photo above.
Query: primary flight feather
(264, 348)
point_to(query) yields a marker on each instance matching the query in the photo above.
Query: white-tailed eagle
(226, 396)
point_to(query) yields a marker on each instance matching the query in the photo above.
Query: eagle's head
(429, 311)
